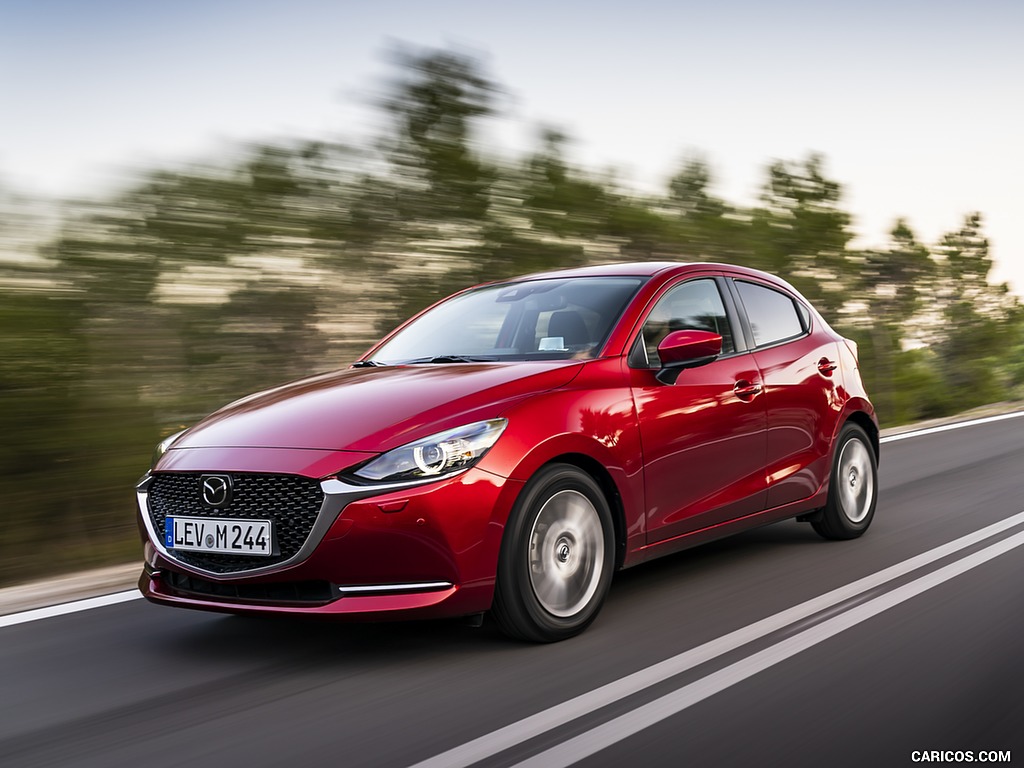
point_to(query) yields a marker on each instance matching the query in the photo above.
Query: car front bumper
(428, 550)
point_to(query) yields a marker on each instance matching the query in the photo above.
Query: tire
(853, 487)
(557, 557)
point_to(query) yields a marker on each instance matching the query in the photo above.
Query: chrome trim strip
(337, 495)
(423, 586)
(335, 485)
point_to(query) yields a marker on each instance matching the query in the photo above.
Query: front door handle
(746, 390)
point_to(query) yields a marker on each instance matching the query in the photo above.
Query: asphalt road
(926, 656)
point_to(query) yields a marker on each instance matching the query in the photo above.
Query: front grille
(290, 502)
(297, 592)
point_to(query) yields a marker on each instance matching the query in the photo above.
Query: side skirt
(803, 510)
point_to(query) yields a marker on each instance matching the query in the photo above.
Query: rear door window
(773, 315)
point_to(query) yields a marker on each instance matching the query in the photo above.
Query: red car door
(799, 365)
(703, 437)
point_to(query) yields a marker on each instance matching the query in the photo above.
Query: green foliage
(65, 439)
(978, 318)
(894, 280)
(801, 232)
(434, 102)
(918, 390)
(555, 198)
(688, 192)
(199, 285)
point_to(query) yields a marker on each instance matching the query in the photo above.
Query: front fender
(595, 422)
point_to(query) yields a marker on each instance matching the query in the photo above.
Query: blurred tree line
(143, 311)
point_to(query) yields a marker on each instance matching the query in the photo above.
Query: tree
(706, 226)
(800, 231)
(688, 191)
(975, 317)
(557, 200)
(891, 283)
(434, 102)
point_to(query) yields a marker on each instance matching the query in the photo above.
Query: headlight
(163, 446)
(434, 456)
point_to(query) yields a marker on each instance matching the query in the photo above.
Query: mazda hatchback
(511, 447)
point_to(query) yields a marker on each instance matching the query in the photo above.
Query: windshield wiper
(367, 364)
(450, 359)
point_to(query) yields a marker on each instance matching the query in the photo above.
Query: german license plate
(225, 536)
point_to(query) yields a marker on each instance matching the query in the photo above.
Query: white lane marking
(510, 735)
(948, 427)
(631, 723)
(65, 608)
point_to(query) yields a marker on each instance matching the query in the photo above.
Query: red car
(509, 448)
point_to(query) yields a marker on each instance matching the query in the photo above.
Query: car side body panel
(804, 406)
(703, 446)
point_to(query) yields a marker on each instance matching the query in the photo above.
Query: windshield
(554, 319)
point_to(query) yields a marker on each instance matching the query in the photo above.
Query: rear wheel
(853, 488)
(556, 558)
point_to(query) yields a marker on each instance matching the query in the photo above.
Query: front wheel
(853, 487)
(557, 557)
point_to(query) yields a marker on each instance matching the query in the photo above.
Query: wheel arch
(865, 422)
(603, 478)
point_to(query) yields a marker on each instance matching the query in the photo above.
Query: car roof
(644, 269)
(625, 269)
(665, 270)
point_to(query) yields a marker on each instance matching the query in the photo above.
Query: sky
(917, 106)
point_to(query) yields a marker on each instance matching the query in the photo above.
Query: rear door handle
(745, 390)
(826, 366)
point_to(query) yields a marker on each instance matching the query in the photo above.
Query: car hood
(374, 409)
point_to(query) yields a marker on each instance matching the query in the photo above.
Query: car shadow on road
(723, 568)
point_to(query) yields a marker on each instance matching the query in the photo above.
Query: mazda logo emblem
(215, 490)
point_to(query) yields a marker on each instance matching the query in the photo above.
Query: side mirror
(686, 349)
